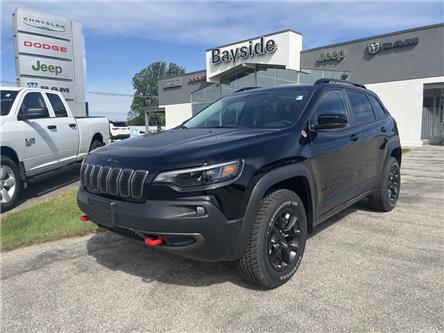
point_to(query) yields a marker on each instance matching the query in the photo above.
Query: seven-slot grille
(126, 183)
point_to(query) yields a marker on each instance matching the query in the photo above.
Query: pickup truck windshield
(7, 98)
(274, 108)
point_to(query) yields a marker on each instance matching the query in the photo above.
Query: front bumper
(205, 237)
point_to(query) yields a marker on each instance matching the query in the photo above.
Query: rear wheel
(10, 184)
(277, 241)
(387, 193)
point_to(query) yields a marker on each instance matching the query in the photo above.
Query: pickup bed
(39, 135)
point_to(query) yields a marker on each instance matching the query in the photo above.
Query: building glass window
(286, 76)
(260, 77)
(266, 77)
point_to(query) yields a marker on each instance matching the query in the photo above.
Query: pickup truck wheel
(387, 193)
(277, 241)
(95, 144)
(10, 184)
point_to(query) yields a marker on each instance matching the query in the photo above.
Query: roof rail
(326, 80)
(245, 89)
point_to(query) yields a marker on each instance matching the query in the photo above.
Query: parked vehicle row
(39, 136)
(246, 178)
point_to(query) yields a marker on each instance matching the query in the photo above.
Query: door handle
(355, 137)
(73, 125)
(52, 127)
(383, 129)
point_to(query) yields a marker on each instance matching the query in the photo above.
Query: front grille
(126, 183)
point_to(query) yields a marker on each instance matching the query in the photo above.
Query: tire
(266, 248)
(95, 144)
(387, 192)
(10, 183)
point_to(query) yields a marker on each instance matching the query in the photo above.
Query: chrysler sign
(38, 23)
(43, 24)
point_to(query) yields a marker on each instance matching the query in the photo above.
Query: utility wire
(102, 93)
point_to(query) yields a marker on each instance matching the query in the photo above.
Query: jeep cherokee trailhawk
(247, 177)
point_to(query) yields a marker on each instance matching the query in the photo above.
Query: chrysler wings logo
(44, 24)
(112, 161)
(374, 47)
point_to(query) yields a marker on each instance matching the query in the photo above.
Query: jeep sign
(43, 67)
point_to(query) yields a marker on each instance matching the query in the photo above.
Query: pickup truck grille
(126, 183)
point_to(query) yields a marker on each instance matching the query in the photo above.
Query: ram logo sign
(374, 47)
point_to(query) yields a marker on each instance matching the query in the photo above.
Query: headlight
(201, 176)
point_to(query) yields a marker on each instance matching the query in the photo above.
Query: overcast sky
(122, 37)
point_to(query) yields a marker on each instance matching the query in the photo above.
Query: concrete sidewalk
(362, 271)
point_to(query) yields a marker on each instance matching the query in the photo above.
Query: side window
(377, 108)
(361, 107)
(34, 106)
(57, 105)
(331, 103)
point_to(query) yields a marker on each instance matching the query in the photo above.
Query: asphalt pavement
(362, 271)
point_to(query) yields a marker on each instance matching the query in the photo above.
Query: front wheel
(10, 185)
(387, 193)
(277, 241)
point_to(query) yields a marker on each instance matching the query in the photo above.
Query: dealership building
(405, 68)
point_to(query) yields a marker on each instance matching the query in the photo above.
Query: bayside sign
(253, 49)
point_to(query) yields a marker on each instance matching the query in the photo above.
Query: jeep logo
(337, 55)
(40, 67)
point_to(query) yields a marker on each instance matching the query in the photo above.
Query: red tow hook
(84, 218)
(150, 241)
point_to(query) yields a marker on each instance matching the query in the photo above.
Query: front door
(39, 135)
(335, 155)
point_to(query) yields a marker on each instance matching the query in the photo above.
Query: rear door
(335, 155)
(68, 133)
(39, 135)
(373, 137)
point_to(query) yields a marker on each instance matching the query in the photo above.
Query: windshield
(273, 108)
(7, 98)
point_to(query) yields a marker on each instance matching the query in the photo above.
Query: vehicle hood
(181, 147)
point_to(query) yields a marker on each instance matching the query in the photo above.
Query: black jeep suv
(244, 179)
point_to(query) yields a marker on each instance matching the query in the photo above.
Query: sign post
(49, 53)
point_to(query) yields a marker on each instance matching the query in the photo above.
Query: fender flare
(262, 186)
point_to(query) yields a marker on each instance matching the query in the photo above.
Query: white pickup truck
(39, 136)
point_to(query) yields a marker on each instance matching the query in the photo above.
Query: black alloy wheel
(284, 239)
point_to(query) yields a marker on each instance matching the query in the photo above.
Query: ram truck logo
(374, 47)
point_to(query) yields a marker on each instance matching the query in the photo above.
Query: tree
(145, 84)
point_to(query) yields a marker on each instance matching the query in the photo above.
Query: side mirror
(33, 113)
(331, 121)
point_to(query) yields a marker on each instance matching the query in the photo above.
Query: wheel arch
(294, 177)
(97, 137)
(7, 151)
